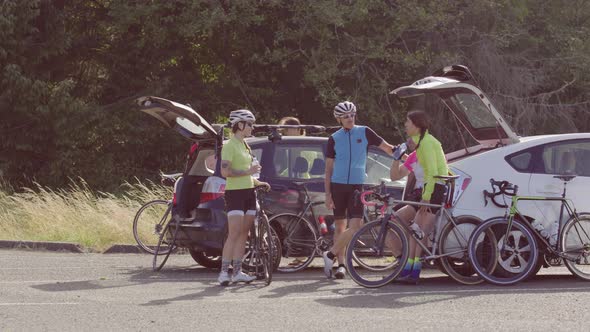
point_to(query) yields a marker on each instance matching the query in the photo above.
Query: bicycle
(518, 243)
(259, 256)
(149, 220)
(300, 238)
(384, 246)
(262, 253)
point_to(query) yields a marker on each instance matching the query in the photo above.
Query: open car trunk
(470, 111)
(206, 140)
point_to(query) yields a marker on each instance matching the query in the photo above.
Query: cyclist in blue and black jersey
(346, 160)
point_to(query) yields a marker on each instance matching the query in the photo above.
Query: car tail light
(194, 148)
(174, 192)
(213, 188)
(461, 185)
(465, 183)
(208, 197)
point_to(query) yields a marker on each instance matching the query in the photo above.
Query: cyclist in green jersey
(240, 197)
(431, 158)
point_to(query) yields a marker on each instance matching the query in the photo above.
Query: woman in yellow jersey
(431, 158)
(240, 198)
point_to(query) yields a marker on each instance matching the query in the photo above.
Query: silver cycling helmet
(343, 108)
(241, 115)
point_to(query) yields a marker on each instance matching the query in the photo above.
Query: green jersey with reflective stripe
(235, 151)
(432, 159)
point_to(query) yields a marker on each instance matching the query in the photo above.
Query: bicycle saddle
(565, 178)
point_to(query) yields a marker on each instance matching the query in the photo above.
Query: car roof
(310, 139)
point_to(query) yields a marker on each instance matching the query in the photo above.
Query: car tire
(211, 262)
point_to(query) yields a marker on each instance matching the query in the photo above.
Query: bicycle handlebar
(365, 202)
(504, 188)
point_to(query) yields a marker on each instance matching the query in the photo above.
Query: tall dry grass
(96, 220)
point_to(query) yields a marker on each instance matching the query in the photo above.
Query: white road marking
(37, 303)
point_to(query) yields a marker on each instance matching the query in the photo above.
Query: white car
(497, 152)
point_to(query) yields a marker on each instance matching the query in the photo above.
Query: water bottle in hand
(255, 163)
(399, 152)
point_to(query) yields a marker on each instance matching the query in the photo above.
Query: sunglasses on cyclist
(346, 116)
(249, 124)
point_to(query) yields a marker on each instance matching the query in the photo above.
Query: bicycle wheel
(386, 254)
(453, 244)
(266, 246)
(167, 240)
(517, 257)
(369, 237)
(575, 243)
(297, 238)
(252, 259)
(148, 224)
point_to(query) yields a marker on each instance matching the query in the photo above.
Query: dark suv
(285, 160)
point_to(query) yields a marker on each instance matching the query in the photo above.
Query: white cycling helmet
(241, 115)
(343, 108)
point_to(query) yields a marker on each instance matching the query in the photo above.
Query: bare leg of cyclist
(339, 246)
(240, 246)
(340, 227)
(234, 223)
(426, 222)
(406, 214)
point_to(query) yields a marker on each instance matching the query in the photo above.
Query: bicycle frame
(513, 211)
(443, 210)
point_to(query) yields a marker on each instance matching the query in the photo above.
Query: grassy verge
(77, 214)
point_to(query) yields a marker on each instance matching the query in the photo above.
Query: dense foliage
(70, 70)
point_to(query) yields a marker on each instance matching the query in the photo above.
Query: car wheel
(211, 262)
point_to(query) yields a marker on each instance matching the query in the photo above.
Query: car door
(468, 104)
(295, 161)
(181, 118)
(570, 157)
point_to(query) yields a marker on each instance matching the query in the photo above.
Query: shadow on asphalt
(438, 289)
(324, 291)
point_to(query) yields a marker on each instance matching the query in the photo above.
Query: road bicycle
(151, 217)
(300, 236)
(262, 247)
(519, 244)
(383, 244)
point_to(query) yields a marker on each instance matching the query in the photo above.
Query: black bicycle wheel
(386, 254)
(516, 251)
(575, 243)
(266, 244)
(167, 240)
(297, 238)
(453, 244)
(148, 224)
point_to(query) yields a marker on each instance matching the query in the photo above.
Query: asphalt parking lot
(72, 291)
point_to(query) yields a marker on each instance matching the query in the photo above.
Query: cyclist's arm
(386, 147)
(330, 156)
(228, 172)
(428, 162)
(378, 141)
(329, 171)
(398, 170)
(226, 169)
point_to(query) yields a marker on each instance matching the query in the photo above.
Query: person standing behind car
(346, 160)
(240, 196)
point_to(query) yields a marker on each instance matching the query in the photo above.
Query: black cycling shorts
(416, 196)
(344, 200)
(240, 200)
